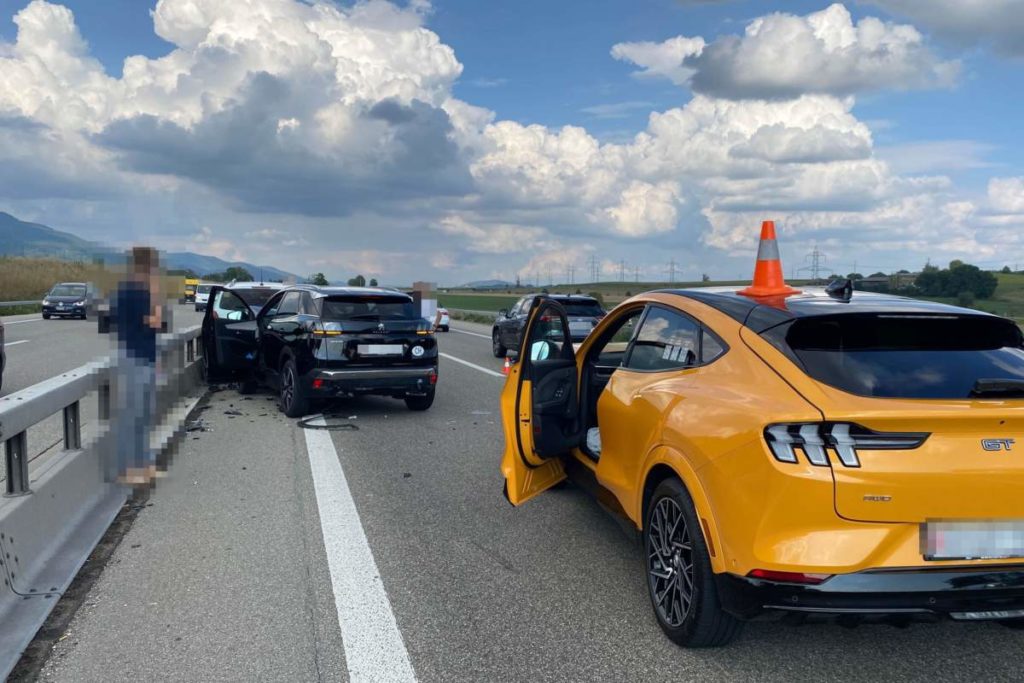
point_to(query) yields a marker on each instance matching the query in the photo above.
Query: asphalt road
(228, 576)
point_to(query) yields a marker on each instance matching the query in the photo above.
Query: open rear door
(540, 404)
(229, 336)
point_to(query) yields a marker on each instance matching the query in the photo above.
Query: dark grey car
(583, 312)
(69, 299)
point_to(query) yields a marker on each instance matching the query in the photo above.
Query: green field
(1008, 300)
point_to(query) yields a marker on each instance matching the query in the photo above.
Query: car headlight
(46, 302)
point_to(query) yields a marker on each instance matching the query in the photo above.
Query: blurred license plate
(581, 328)
(380, 349)
(972, 540)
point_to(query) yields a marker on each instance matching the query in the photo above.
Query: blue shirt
(131, 307)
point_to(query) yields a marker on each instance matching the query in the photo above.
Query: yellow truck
(190, 289)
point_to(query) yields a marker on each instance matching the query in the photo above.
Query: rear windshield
(256, 296)
(587, 308)
(203, 289)
(368, 308)
(68, 290)
(904, 356)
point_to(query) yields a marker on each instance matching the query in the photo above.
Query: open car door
(540, 404)
(229, 336)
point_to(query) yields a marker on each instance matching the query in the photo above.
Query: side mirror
(503, 313)
(540, 350)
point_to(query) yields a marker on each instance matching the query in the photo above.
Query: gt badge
(997, 444)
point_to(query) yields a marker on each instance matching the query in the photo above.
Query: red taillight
(318, 384)
(789, 577)
(433, 378)
(547, 318)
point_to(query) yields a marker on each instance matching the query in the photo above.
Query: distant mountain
(19, 238)
(488, 284)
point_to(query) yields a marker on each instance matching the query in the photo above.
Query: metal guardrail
(53, 515)
(9, 304)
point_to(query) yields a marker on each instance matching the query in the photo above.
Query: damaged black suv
(311, 343)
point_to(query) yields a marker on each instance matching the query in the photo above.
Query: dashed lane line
(16, 322)
(15, 343)
(481, 368)
(472, 334)
(374, 649)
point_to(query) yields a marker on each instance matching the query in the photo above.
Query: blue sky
(930, 138)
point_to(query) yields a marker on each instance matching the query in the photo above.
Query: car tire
(497, 348)
(293, 400)
(444, 328)
(699, 620)
(46, 316)
(420, 403)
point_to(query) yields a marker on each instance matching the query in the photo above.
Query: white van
(202, 295)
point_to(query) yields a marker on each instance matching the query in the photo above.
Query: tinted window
(613, 351)
(67, 290)
(306, 305)
(909, 356)
(203, 289)
(369, 308)
(227, 305)
(587, 308)
(289, 305)
(257, 296)
(710, 347)
(666, 341)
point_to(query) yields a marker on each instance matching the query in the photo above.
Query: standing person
(137, 317)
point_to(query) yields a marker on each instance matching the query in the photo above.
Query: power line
(672, 271)
(636, 273)
(622, 270)
(595, 271)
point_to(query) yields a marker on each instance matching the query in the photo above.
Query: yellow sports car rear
(825, 452)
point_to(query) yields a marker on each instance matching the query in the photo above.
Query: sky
(458, 140)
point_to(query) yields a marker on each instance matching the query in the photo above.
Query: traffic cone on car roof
(768, 271)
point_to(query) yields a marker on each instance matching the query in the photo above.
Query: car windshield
(904, 356)
(203, 289)
(256, 296)
(68, 290)
(369, 308)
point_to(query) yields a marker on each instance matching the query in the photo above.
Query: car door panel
(229, 335)
(540, 406)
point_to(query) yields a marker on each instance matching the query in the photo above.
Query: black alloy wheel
(293, 398)
(496, 346)
(670, 562)
(680, 580)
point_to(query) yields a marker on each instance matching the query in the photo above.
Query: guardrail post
(72, 427)
(16, 462)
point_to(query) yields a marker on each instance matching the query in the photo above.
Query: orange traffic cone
(508, 366)
(768, 271)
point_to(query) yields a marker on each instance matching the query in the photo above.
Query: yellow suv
(824, 452)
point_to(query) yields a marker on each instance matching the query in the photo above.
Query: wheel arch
(663, 463)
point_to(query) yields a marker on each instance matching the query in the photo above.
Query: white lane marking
(374, 650)
(474, 334)
(472, 365)
(14, 343)
(15, 322)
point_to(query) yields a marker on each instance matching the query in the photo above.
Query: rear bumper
(956, 592)
(200, 305)
(400, 381)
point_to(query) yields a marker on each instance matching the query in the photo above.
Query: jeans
(132, 414)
